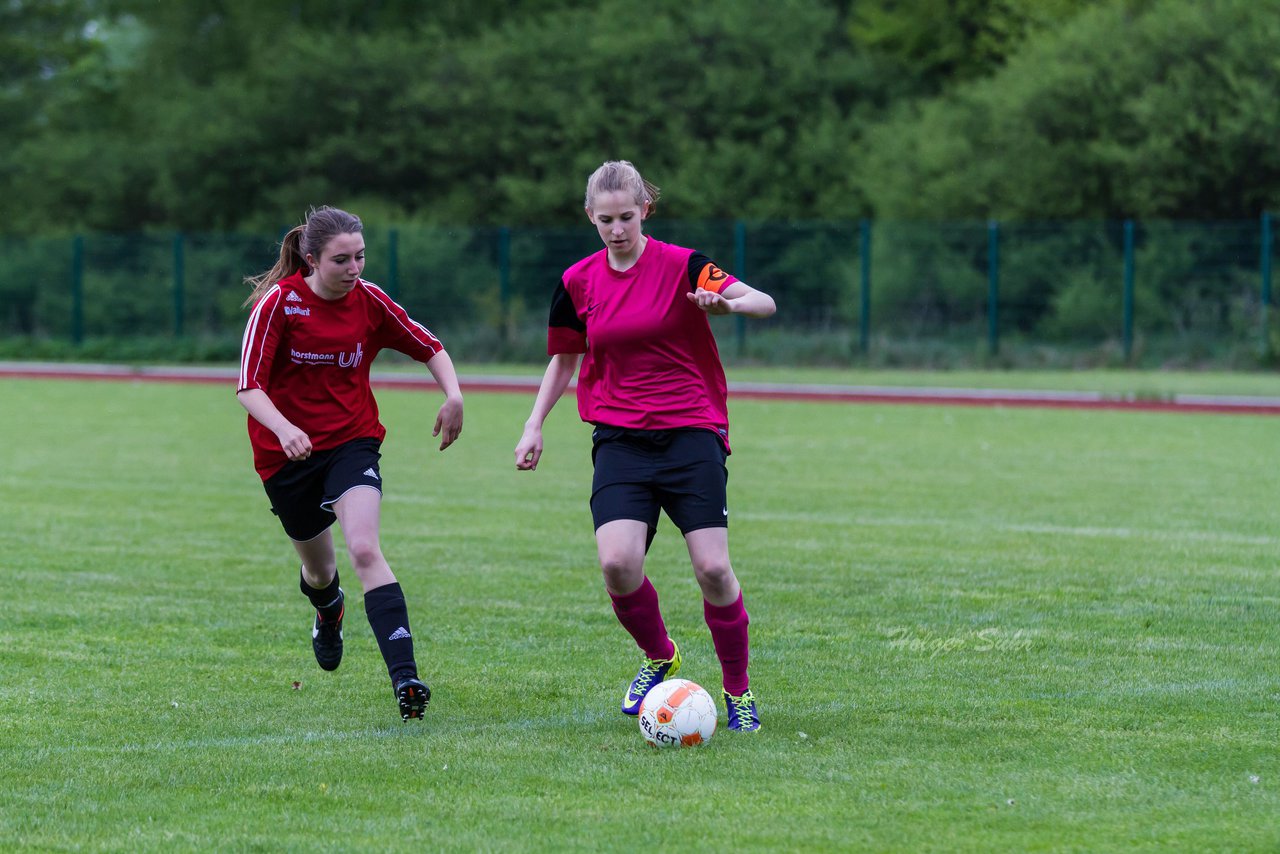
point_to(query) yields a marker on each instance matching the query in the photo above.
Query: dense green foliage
(1164, 114)
(787, 120)
(219, 114)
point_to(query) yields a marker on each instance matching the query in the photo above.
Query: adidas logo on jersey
(369, 472)
(293, 297)
(400, 634)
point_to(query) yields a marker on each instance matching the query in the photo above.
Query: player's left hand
(449, 422)
(710, 302)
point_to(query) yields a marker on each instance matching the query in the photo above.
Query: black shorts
(303, 492)
(639, 472)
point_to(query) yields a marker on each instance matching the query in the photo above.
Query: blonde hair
(322, 225)
(621, 175)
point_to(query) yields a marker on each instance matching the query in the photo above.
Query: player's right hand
(296, 444)
(529, 450)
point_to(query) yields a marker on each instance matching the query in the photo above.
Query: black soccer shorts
(639, 472)
(303, 492)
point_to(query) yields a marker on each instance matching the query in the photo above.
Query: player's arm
(449, 418)
(716, 292)
(737, 298)
(554, 382)
(257, 352)
(566, 342)
(295, 442)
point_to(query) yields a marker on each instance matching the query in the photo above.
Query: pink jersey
(651, 359)
(312, 356)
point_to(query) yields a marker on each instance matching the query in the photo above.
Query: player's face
(617, 217)
(340, 264)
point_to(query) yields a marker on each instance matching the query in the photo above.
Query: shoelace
(648, 672)
(741, 706)
(330, 627)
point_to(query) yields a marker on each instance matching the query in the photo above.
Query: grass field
(1119, 382)
(974, 629)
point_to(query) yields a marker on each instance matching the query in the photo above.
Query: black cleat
(413, 696)
(326, 638)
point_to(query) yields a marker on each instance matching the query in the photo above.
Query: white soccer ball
(677, 713)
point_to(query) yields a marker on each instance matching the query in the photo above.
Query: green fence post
(1127, 331)
(393, 263)
(864, 287)
(993, 287)
(1265, 272)
(740, 270)
(504, 282)
(77, 290)
(179, 285)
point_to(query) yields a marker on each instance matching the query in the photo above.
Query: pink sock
(728, 624)
(639, 614)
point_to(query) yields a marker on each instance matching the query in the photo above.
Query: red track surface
(743, 390)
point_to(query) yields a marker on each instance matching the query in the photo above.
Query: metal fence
(846, 291)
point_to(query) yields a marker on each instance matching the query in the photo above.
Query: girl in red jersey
(651, 382)
(314, 330)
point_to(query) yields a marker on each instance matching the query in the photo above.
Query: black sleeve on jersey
(697, 262)
(563, 312)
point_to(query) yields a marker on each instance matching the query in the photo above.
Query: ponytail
(322, 225)
(291, 260)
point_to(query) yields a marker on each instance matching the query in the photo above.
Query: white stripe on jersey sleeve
(252, 338)
(413, 326)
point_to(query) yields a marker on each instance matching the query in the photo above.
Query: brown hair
(621, 175)
(322, 225)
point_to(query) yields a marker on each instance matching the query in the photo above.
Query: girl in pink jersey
(635, 315)
(314, 330)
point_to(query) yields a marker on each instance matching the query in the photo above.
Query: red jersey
(651, 360)
(312, 356)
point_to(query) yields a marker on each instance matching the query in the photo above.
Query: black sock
(325, 601)
(389, 619)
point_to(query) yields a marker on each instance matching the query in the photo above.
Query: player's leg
(727, 619)
(319, 583)
(621, 545)
(709, 554)
(359, 512)
(296, 493)
(694, 493)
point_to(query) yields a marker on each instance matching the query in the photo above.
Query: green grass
(1112, 382)
(973, 629)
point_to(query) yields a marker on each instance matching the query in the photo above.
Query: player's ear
(590, 216)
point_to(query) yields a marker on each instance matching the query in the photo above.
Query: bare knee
(319, 573)
(715, 577)
(622, 572)
(365, 554)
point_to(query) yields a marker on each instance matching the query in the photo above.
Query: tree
(222, 117)
(939, 43)
(1161, 113)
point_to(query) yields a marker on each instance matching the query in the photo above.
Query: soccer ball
(677, 713)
